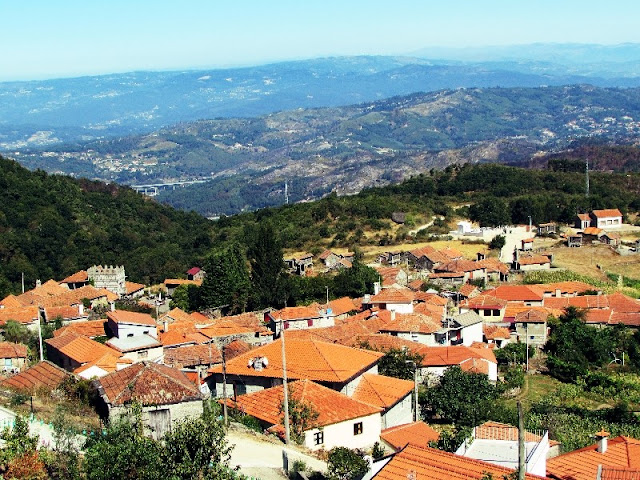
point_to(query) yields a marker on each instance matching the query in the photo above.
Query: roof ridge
(132, 381)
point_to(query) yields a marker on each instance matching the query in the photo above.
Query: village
(450, 309)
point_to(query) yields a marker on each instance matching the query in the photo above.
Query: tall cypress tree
(227, 282)
(267, 267)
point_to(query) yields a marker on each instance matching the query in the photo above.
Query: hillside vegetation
(346, 149)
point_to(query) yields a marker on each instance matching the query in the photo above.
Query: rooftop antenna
(286, 193)
(587, 176)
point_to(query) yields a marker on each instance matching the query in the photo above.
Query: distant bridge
(152, 189)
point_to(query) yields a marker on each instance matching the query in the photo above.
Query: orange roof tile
(533, 260)
(108, 362)
(311, 359)
(416, 285)
(19, 314)
(592, 231)
(136, 318)
(503, 431)
(343, 305)
(192, 355)
(584, 216)
(494, 265)
(181, 281)
(531, 316)
(609, 212)
(382, 391)
(455, 355)
(11, 301)
(78, 277)
(326, 254)
(43, 375)
(485, 301)
(452, 253)
(221, 329)
(468, 290)
(132, 287)
(524, 293)
(493, 332)
(393, 295)
(430, 253)
(177, 337)
(621, 473)
(65, 312)
(416, 433)
(12, 350)
(332, 406)
(458, 266)
(149, 384)
(90, 328)
(79, 348)
(235, 348)
(583, 464)
(475, 365)
(412, 322)
(424, 463)
(295, 313)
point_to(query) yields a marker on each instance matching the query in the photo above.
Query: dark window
(318, 438)
(286, 325)
(496, 313)
(357, 428)
(310, 322)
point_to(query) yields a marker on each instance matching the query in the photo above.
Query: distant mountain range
(50, 112)
(346, 149)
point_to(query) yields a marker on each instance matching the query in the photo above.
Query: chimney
(376, 288)
(166, 325)
(558, 293)
(393, 315)
(80, 309)
(601, 441)
(113, 306)
(38, 283)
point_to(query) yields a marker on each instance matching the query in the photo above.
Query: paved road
(513, 237)
(259, 456)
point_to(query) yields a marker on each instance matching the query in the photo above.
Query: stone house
(13, 357)
(108, 277)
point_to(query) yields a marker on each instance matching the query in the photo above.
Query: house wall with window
(360, 432)
(124, 330)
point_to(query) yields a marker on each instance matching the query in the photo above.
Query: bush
(18, 399)
(346, 464)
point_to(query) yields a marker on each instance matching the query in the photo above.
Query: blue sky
(47, 39)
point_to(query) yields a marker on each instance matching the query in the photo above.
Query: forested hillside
(52, 226)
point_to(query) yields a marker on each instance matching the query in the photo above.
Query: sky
(48, 39)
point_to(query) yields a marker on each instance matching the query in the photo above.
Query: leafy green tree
(460, 397)
(124, 452)
(355, 281)
(267, 267)
(196, 449)
(302, 416)
(514, 353)
(227, 281)
(399, 363)
(451, 439)
(497, 242)
(64, 461)
(346, 464)
(490, 212)
(16, 332)
(186, 297)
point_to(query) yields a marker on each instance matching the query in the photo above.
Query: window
(143, 354)
(318, 438)
(286, 325)
(145, 332)
(129, 335)
(495, 313)
(357, 428)
(310, 322)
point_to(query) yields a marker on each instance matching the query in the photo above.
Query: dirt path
(259, 456)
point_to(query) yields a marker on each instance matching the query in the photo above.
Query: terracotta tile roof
(295, 313)
(503, 431)
(192, 355)
(475, 365)
(11, 301)
(90, 328)
(426, 308)
(177, 337)
(332, 406)
(584, 216)
(43, 375)
(523, 293)
(455, 355)
(149, 384)
(431, 298)
(64, 312)
(592, 231)
(235, 348)
(494, 265)
(531, 316)
(457, 266)
(485, 301)
(383, 342)
(109, 362)
(609, 212)
(430, 253)
(393, 295)
(533, 260)
(493, 332)
(343, 305)
(136, 318)
(382, 391)
(416, 285)
(225, 329)
(132, 287)
(72, 297)
(447, 275)
(412, 322)
(424, 463)
(314, 360)
(201, 318)
(175, 315)
(583, 464)
(469, 290)
(19, 314)
(416, 433)
(78, 347)
(12, 350)
(566, 288)
(613, 473)
(326, 254)
(78, 277)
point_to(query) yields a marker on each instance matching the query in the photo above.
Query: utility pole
(286, 193)
(587, 176)
(22, 282)
(224, 383)
(40, 340)
(522, 453)
(415, 390)
(526, 330)
(327, 287)
(285, 389)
